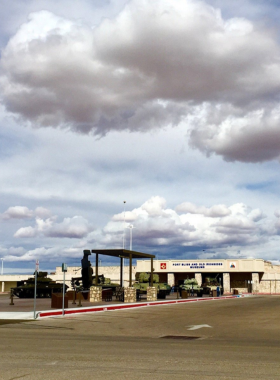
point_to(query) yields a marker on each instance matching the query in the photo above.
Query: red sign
(162, 265)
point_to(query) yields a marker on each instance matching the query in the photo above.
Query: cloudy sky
(171, 106)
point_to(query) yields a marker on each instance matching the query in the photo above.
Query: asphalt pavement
(223, 339)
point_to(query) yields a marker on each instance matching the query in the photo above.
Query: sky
(169, 106)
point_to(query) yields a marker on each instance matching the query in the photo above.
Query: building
(8, 281)
(245, 275)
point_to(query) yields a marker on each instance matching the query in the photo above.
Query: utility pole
(124, 202)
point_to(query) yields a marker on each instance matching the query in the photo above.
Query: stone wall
(270, 268)
(95, 294)
(269, 287)
(198, 277)
(129, 294)
(226, 283)
(151, 293)
(171, 279)
(255, 282)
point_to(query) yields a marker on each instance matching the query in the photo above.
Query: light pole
(64, 269)
(2, 269)
(122, 260)
(130, 227)
(124, 202)
(35, 287)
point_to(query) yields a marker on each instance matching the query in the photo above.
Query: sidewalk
(24, 308)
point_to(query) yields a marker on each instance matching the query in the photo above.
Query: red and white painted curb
(94, 309)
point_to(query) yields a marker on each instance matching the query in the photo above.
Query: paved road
(242, 342)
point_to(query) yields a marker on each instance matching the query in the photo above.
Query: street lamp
(124, 202)
(130, 227)
(2, 270)
(122, 260)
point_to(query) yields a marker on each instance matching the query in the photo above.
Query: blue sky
(170, 106)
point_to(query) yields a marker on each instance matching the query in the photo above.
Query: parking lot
(226, 339)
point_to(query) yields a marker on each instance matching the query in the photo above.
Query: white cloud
(154, 206)
(128, 216)
(74, 228)
(42, 212)
(188, 225)
(184, 64)
(151, 76)
(256, 215)
(214, 211)
(25, 232)
(17, 212)
(277, 213)
(22, 212)
(12, 251)
(44, 254)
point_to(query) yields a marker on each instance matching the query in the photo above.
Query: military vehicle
(210, 284)
(142, 283)
(144, 280)
(102, 281)
(44, 289)
(191, 285)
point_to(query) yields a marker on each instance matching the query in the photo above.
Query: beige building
(246, 275)
(8, 281)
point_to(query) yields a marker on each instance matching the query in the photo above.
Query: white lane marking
(196, 327)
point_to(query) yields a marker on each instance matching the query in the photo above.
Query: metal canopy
(125, 253)
(122, 254)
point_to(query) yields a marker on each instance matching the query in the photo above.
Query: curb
(94, 309)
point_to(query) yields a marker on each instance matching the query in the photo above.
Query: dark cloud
(184, 64)
(249, 137)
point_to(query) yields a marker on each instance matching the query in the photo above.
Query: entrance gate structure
(130, 292)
